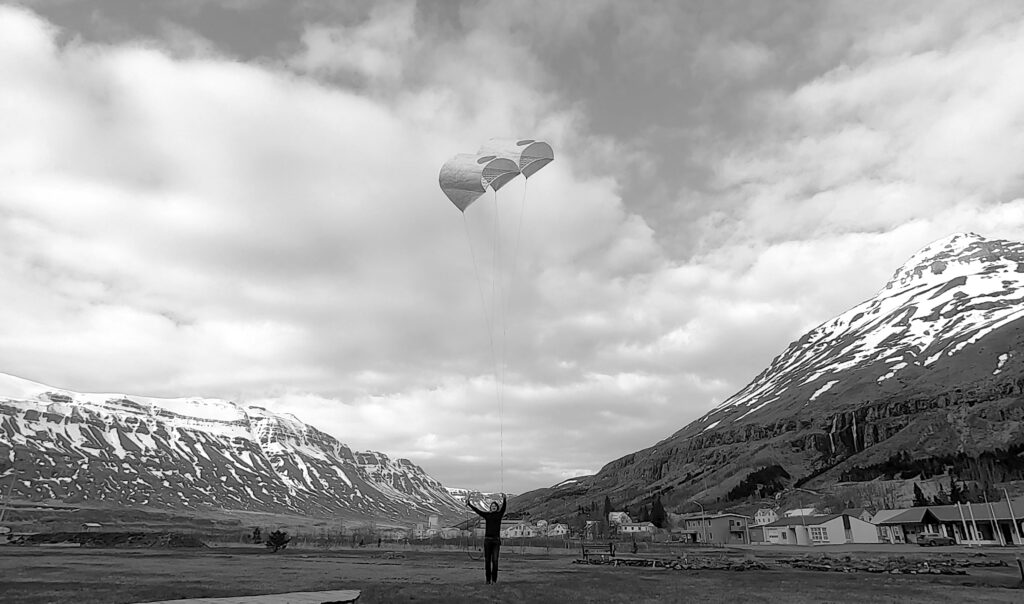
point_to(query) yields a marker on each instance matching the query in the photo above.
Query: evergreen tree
(644, 515)
(919, 499)
(278, 540)
(955, 494)
(658, 515)
(607, 507)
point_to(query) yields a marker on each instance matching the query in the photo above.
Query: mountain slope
(193, 453)
(929, 367)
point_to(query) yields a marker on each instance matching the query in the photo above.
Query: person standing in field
(492, 535)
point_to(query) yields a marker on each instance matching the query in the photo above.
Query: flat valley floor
(40, 575)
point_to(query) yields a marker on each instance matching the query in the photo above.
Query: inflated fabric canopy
(529, 155)
(465, 177)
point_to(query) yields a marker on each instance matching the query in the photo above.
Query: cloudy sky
(239, 199)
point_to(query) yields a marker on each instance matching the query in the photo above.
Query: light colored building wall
(619, 517)
(862, 531)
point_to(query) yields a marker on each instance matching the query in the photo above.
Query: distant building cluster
(997, 523)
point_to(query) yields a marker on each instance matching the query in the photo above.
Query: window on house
(819, 533)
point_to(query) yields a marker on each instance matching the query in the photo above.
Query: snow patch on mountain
(946, 297)
(823, 389)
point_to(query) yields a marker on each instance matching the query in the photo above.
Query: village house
(619, 518)
(558, 529)
(795, 513)
(861, 513)
(765, 516)
(637, 528)
(997, 523)
(904, 525)
(510, 528)
(820, 530)
(520, 529)
(889, 532)
(725, 528)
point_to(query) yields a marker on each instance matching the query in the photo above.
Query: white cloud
(175, 221)
(191, 224)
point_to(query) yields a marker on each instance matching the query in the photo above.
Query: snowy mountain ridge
(188, 452)
(923, 378)
(948, 295)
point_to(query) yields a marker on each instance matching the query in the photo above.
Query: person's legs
(494, 565)
(488, 553)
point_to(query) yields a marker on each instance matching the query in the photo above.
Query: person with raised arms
(492, 535)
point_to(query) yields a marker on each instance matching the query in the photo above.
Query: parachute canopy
(529, 155)
(466, 177)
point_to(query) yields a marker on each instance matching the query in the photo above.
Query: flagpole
(1009, 505)
(964, 520)
(974, 523)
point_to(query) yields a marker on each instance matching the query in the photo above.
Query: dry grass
(38, 574)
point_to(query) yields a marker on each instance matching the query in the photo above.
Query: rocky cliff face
(194, 453)
(929, 370)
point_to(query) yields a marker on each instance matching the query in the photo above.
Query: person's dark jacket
(492, 519)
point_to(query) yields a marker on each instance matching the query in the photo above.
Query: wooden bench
(603, 550)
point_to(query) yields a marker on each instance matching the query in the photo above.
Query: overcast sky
(239, 199)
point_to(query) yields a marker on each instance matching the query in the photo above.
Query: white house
(799, 512)
(637, 528)
(557, 529)
(765, 516)
(833, 529)
(521, 529)
(619, 518)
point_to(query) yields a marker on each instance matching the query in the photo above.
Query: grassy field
(33, 575)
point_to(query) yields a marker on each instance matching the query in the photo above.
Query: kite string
(506, 313)
(483, 304)
(499, 369)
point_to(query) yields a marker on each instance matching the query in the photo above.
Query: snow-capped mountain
(929, 368)
(194, 453)
(949, 295)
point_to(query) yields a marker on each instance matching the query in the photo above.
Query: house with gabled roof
(905, 525)
(721, 528)
(637, 528)
(996, 523)
(831, 529)
(861, 513)
(765, 516)
(619, 517)
(797, 512)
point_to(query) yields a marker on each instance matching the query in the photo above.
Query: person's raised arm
(504, 502)
(469, 503)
